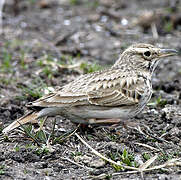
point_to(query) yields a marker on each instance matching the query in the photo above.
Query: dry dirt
(48, 43)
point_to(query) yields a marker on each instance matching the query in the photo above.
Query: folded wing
(108, 88)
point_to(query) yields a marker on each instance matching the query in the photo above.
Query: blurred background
(48, 43)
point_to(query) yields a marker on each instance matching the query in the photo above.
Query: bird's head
(143, 57)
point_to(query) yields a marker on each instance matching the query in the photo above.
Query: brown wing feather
(127, 92)
(108, 88)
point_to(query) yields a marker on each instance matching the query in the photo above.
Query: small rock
(174, 131)
(94, 17)
(138, 159)
(153, 111)
(98, 163)
(85, 159)
(45, 4)
(41, 165)
(172, 112)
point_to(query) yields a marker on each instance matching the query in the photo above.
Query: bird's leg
(42, 123)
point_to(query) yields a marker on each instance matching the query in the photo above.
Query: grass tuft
(2, 172)
(89, 68)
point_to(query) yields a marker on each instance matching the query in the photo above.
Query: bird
(103, 97)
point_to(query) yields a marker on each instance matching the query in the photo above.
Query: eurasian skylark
(108, 96)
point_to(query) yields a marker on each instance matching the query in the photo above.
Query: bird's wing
(124, 90)
(106, 88)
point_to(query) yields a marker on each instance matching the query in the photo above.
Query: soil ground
(48, 43)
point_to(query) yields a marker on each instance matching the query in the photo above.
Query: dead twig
(77, 164)
(103, 157)
(142, 168)
(147, 146)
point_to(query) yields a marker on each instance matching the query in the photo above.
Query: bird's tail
(29, 117)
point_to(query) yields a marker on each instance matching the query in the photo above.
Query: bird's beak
(167, 52)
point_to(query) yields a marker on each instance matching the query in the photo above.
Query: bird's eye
(147, 54)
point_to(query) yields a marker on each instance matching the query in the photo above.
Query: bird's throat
(152, 66)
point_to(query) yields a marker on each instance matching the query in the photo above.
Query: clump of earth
(46, 44)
